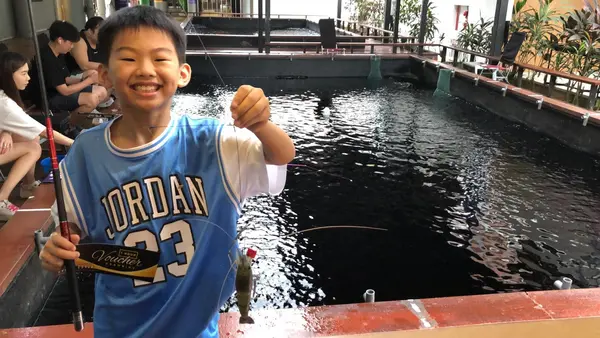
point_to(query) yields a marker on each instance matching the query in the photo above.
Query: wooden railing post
(551, 85)
(444, 52)
(593, 97)
(455, 56)
(520, 71)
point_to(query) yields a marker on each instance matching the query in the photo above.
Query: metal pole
(62, 214)
(339, 13)
(386, 17)
(268, 25)
(423, 26)
(396, 23)
(260, 26)
(498, 27)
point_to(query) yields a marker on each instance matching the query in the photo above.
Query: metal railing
(549, 87)
(362, 29)
(217, 6)
(252, 16)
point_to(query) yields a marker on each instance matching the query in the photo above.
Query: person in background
(19, 133)
(67, 93)
(84, 55)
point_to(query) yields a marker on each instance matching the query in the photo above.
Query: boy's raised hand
(250, 108)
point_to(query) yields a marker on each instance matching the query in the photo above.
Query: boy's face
(144, 70)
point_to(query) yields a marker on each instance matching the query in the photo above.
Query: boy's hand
(250, 108)
(56, 250)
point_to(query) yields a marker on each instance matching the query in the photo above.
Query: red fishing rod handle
(62, 215)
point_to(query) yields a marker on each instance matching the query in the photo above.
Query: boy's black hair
(64, 30)
(134, 18)
(93, 23)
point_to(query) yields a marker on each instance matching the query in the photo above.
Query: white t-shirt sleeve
(16, 121)
(245, 167)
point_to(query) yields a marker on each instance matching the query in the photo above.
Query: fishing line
(337, 227)
(319, 170)
(240, 186)
(233, 122)
(239, 176)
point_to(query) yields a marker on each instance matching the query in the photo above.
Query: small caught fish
(243, 285)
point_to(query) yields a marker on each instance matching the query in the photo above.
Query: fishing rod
(62, 214)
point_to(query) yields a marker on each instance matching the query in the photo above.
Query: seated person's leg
(25, 155)
(100, 92)
(29, 181)
(83, 102)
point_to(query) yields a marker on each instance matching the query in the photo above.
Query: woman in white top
(19, 133)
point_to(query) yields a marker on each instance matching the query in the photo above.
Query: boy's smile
(144, 70)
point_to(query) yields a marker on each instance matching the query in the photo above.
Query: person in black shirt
(67, 93)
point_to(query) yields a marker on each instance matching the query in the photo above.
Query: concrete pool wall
(250, 24)
(554, 118)
(287, 65)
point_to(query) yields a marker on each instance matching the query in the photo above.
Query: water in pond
(200, 29)
(473, 203)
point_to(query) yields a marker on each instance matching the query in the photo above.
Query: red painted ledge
(379, 317)
(16, 236)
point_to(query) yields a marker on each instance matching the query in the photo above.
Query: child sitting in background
(19, 133)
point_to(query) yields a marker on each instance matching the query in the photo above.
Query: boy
(66, 93)
(164, 182)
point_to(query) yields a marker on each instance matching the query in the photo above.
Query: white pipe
(246, 6)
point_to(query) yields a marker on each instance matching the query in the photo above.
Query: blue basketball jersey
(174, 195)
